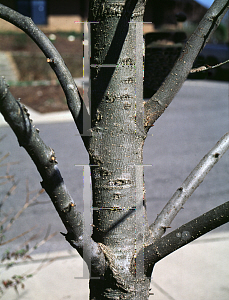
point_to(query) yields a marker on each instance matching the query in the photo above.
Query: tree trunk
(122, 243)
(116, 145)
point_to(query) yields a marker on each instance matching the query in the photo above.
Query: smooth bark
(116, 144)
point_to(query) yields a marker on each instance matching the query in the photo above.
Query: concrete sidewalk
(8, 67)
(38, 118)
(62, 116)
(199, 271)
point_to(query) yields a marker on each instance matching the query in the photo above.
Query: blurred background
(169, 24)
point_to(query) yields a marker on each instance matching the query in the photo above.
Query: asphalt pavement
(190, 126)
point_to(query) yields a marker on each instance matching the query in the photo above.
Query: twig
(17, 215)
(74, 99)
(31, 239)
(42, 242)
(11, 190)
(204, 68)
(17, 280)
(2, 137)
(4, 220)
(190, 184)
(157, 104)
(17, 237)
(44, 158)
(9, 177)
(183, 235)
(9, 164)
(4, 157)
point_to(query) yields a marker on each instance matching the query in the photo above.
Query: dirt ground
(42, 98)
(21, 42)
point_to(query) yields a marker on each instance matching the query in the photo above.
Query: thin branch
(42, 242)
(3, 221)
(2, 137)
(9, 177)
(17, 237)
(184, 235)
(9, 164)
(32, 238)
(195, 178)
(10, 192)
(204, 68)
(16, 257)
(20, 211)
(44, 158)
(74, 100)
(156, 105)
(4, 157)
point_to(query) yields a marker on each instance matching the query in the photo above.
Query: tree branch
(17, 116)
(204, 68)
(195, 178)
(183, 235)
(74, 100)
(156, 105)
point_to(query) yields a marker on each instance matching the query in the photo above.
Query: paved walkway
(7, 67)
(198, 271)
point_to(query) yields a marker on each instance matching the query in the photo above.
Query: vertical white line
(87, 215)
(140, 219)
(139, 75)
(86, 76)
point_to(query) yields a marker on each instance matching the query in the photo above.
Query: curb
(53, 117)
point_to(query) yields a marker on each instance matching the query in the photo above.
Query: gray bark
(119, 125)
(116, 145)
(17, 116)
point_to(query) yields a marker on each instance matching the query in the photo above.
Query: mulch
(42, 98)
(22, 42)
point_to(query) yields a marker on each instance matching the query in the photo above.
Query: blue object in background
(37, 10)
